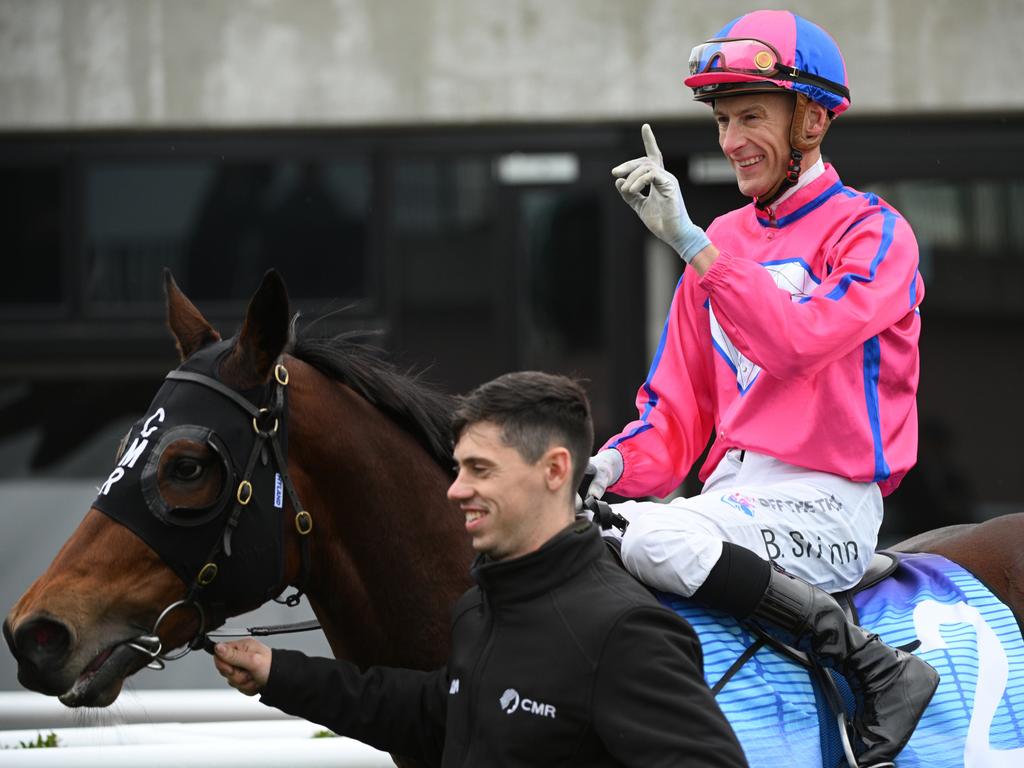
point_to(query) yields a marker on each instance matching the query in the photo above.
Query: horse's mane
(411, 403)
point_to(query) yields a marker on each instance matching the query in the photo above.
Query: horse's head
(188, 527)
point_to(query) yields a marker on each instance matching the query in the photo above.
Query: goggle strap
(807, 78)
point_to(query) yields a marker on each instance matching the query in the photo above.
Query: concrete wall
(204, 63)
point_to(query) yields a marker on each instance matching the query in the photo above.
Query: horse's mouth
(100, 682)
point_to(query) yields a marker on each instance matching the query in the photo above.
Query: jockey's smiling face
(753, 132)
(512, 506)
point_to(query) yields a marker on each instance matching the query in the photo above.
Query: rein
(265, 423)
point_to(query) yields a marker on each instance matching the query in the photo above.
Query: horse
(354, 514)
(369, 454)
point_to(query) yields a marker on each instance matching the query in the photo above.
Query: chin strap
(788, 180)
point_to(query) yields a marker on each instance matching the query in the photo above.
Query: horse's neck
(389, 552)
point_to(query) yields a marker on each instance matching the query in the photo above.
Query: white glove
(608, 464)
(662, 209)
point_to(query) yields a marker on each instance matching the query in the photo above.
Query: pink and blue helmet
(769, 50)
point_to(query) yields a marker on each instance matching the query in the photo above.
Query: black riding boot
(891, 687)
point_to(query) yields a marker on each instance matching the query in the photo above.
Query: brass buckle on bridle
(263, 413)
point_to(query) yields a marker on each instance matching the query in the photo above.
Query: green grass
(41, 742)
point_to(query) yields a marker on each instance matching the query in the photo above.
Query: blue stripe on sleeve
(872, 363)
(648, 387)
(888, 227)
(860, 221)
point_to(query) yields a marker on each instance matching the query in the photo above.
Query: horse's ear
(264, 334)
(191, 330)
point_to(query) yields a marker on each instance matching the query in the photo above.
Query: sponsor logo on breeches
(781, 544)
(824, 504)
(748, 504)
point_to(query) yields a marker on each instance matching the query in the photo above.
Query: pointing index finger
(650, 144)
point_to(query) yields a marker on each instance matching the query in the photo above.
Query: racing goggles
(748, 59)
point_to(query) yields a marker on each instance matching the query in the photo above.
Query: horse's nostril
(44, 634)
(41, 641)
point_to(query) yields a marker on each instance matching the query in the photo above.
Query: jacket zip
(475, 677)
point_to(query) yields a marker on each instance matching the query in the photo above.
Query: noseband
(267, 424)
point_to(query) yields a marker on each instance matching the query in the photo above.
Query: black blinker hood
(250, 569)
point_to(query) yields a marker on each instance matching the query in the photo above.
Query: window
(971, 239)
(220, 226)
(31, 207)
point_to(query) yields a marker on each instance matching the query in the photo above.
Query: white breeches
(818, 526)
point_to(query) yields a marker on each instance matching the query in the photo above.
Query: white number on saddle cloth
(993, 674)
(792, 275)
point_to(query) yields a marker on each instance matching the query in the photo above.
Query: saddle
(836, 709)
(786, 711)
(882, 565)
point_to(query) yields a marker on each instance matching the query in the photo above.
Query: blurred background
(439, 170)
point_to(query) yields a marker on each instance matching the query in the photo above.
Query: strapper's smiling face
(500, 493)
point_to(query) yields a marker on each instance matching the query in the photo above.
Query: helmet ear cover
(798, 136)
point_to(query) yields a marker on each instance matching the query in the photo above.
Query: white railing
(24, 709)
(171, 728)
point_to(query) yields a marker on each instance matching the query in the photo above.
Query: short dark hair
(535, 410)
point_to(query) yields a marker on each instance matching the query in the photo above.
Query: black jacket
(558, 658)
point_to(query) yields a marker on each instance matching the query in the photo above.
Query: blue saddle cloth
(975, 720)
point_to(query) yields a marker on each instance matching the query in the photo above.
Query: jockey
(794, 337)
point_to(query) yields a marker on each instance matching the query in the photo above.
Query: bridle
(152, 646)
(266, 423)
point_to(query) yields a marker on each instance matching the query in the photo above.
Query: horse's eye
(186, 470)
